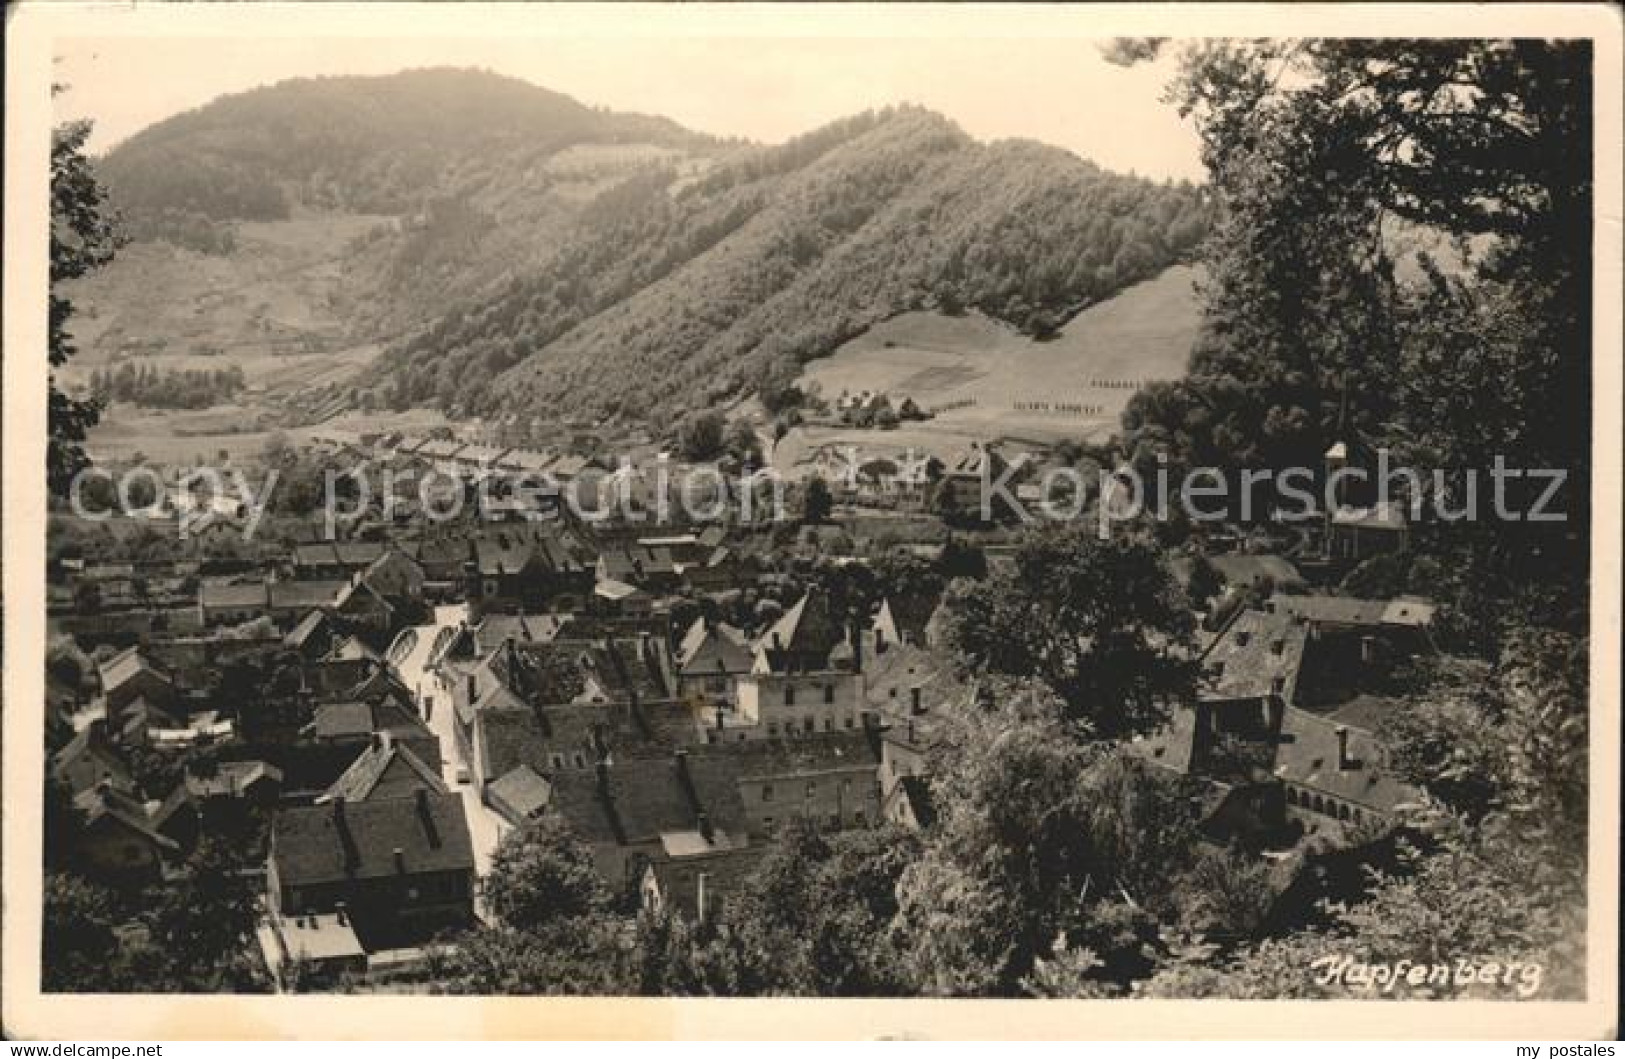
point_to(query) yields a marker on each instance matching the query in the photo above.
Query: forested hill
(671, 293)
(375, 145)
(520, 252)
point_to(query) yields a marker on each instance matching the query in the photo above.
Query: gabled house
(400, 869)
(117, 838)
(710, 660)
(129, 676)
(88, 759)
(385, 769)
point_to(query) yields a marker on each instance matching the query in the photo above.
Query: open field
(239, 431)
(990, 377)
(282, 294)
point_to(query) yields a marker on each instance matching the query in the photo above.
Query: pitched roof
(342, 720)
(303, 595)
(522, 790)
(1255, 651)
(634, 800)
(810, 630)
(385, 769)
(523, 628)
(712, 647)
(318, 844)
(804, 755)
(1308, 756)
(314, 624)
(126, 666)
(1342, 610)
(231, 778)
(105, 802)
(727, 871)
(92, 741)
(235, 594)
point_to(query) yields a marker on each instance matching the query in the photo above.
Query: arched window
(1342, 812)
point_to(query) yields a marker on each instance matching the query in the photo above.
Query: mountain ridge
(547, 256)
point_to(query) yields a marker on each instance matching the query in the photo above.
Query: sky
(764, 81)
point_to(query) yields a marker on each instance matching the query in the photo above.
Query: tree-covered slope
(673, 292)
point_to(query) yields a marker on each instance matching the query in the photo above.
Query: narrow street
(484, 826)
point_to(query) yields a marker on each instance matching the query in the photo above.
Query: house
(395, 575)
(350, 727)
(710, 659)
(807, 677)
(362, 606)
(313, 637)
(253, 782)
(385, 769)
(127, 677)
(966, 480)
(908, 803)
(117, 838)
(904, 682)
(288, 601)
(831, 779)
(509, 678)
(402, 869)
(442, 558)
(231, 603)
(627, 810)
(1319, 770)
(88, 759)
(619, 598)
(1354, 534)
(904, 619)
(696, 878)
(1259, 655)
(652, 567)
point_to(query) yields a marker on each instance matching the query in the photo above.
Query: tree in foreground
(84, 237)
(1100, 621)
(542, 873)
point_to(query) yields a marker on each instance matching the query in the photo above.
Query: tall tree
(1100, 621)
(84, 237)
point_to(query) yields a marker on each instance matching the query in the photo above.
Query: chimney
(1344, 762)
(1368, 649)
(400, 861)
(706, 831)
(341, 911)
